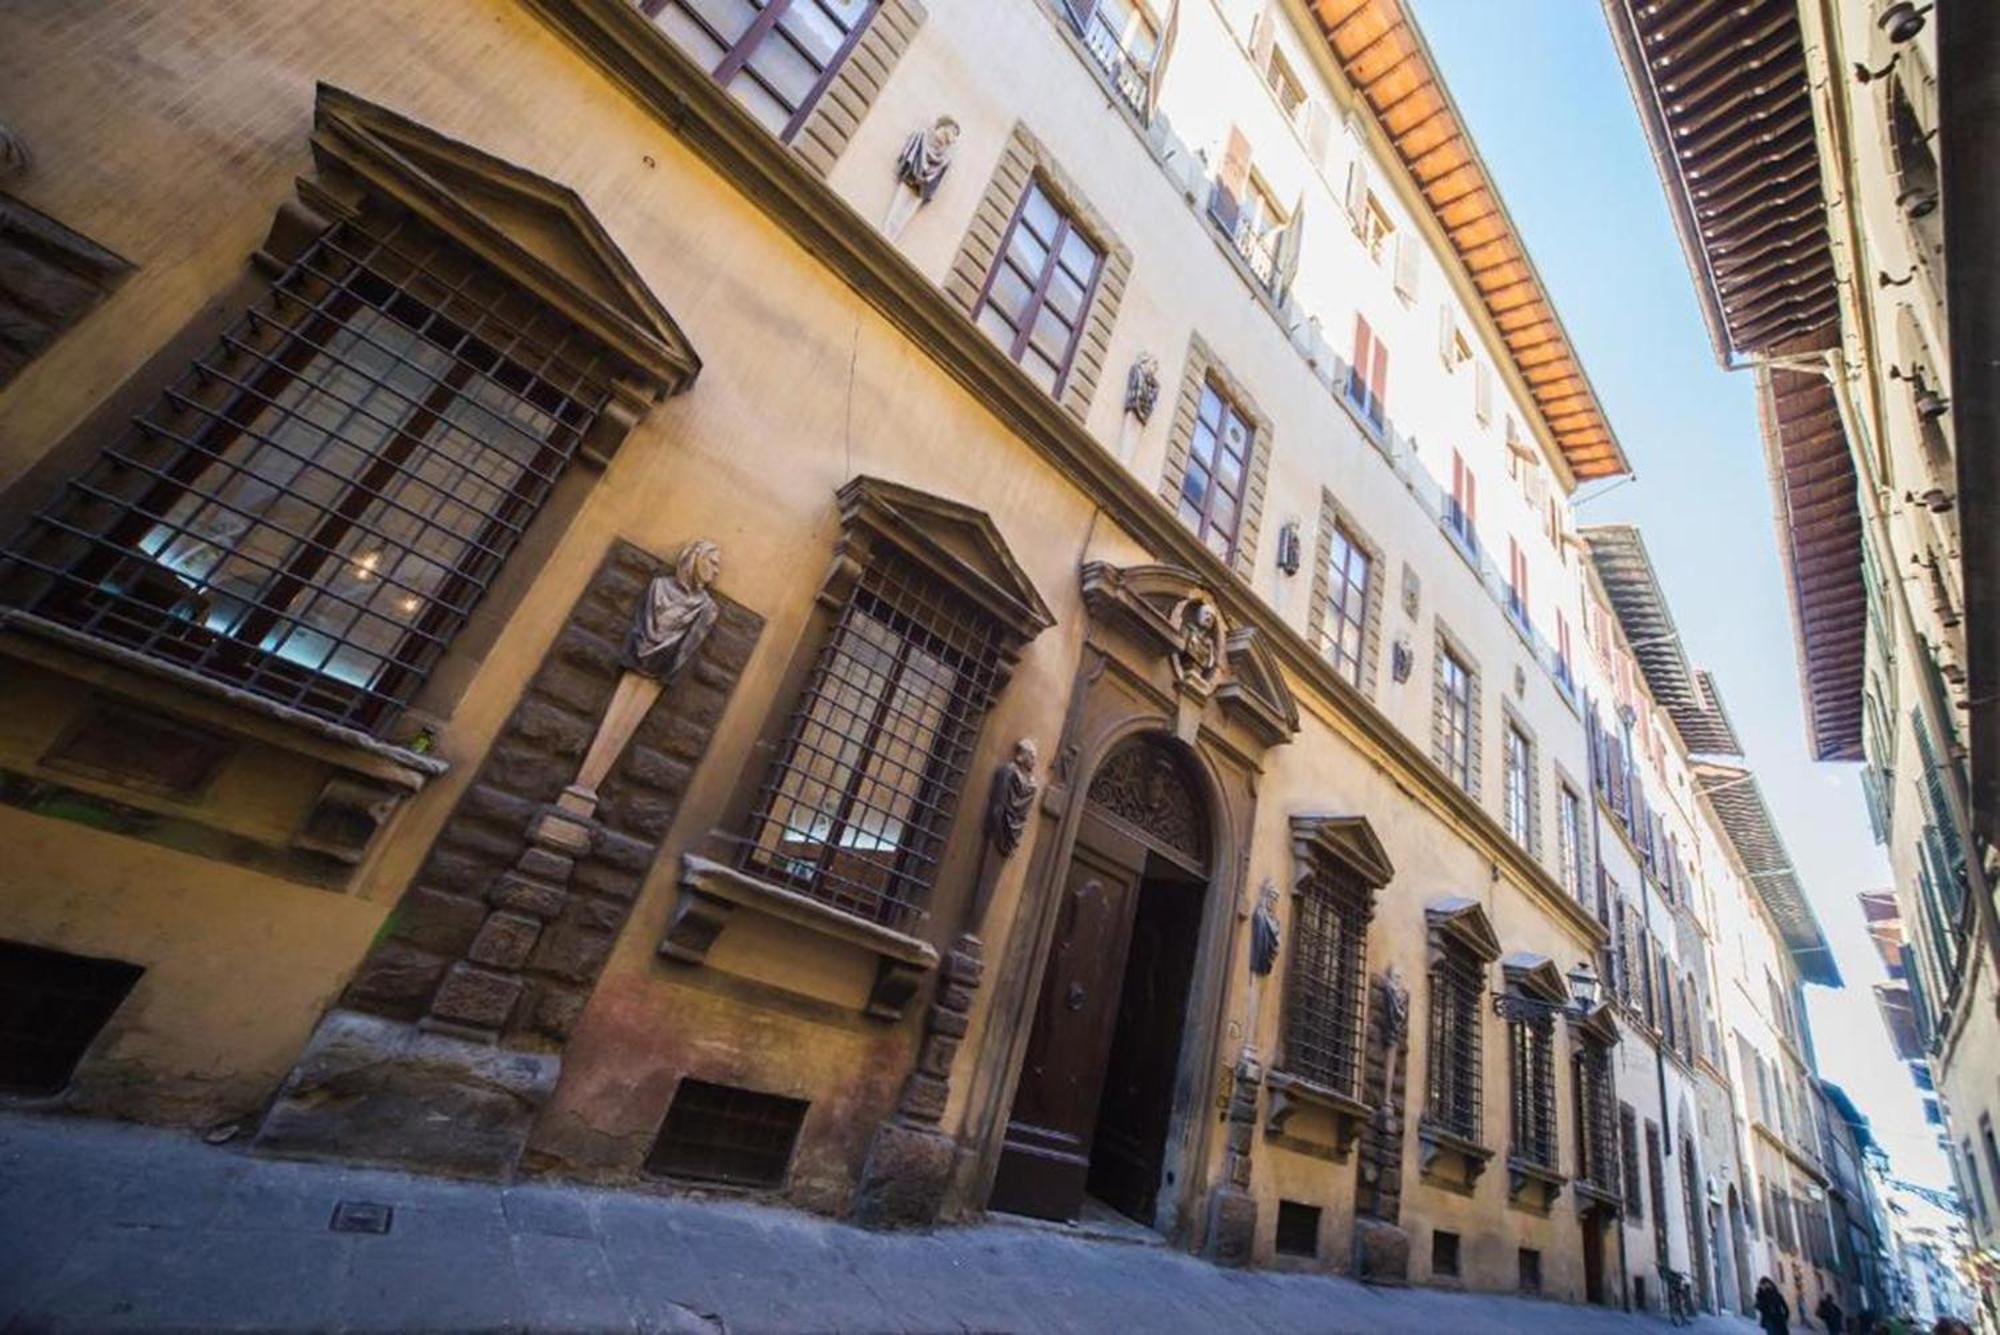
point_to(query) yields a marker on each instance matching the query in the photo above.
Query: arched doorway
(1740, 1246)
(1092, 1112)
(1696, 1200)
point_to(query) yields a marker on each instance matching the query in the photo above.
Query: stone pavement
(112, 1227)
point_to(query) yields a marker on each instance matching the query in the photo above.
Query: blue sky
(1547, 101)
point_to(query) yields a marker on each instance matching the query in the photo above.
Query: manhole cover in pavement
(361, 1217)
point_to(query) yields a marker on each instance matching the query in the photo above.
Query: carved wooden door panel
(1045, 1158)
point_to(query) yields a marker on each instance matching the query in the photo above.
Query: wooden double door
(1093, 1109)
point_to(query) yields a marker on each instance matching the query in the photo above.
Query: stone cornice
(619, 41)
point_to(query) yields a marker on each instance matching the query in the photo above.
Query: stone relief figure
(1142, 387)
(1013, 798)
(926, 156)
(1264, 935)
(1199, 661)
(1394, 997)
(675, 615)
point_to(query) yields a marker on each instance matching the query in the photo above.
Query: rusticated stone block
(437, 921)
(505, 940)
(1381, 1252)
(397, 973)
(527, 895)
(682, 739)
(936, 1055)
(482, 840)
(557, 1009)
(459, 871)
(952, 1024)
(654, 769)
(903, 1183)
(485, 802)
(560, 732)
(373, 1090)
(598, 879)
(604, 915)
(955, 997)
(643, 813)
(595, 654)
(476, 997)
(545, 864)
(622, 851)
(527, 770)
(1232, 1229)
(572, 952)
(925, 1096)
(963, 967)
(699, 704)
(584, 692)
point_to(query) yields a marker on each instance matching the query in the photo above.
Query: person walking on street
(1829, 1312)
(1774, 1314)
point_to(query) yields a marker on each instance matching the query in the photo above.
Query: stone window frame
(1633, 1189)
(1584, 866)
(59, 277)
(1333, 515)
(1025, 159)
(1459, 936)
(1449, 644)
(1533, 1181)
(948, 542)
(1203, 368)
(1511, 719)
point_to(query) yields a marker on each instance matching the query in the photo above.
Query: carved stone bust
(1199, 661)
(1264, 935)
(1013, 798)
(926, 156)
(676, 614)
(1142, 387)
(1394, 998)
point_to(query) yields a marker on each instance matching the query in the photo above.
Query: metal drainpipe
(1597, 863)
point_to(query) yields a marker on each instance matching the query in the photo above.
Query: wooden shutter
(1357, 195)
(1364, 340)
(1482, 391)
(1286, 267)
(1408, 268)
(1263, 35)
(1319, 130)
(1447, 335)
(1161, 56)
(1378, 380)
(1225, 202)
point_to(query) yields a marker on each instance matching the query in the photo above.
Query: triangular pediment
(1349, 840)
(1463, 920)
(1537, 975)
(536, 231)
(961, 544)
(1256, 688)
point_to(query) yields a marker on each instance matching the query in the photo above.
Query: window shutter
(1378, 379)
(1225, 202)
(1165, 53)
(1447, 327)
(1286, 268)
(1357, 194)
(1408, 255)
(1319, 129)
(1263, 35)
(1482, 391)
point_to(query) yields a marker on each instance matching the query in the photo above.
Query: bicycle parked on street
(1680, 1296)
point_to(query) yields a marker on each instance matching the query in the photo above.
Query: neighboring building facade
(1824, 270)
(1897, 1001)
(626, 597)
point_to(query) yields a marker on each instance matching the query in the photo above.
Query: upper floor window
(312, 509)
(1124, 39)
(774, 56)
(1376, 229)
(1565, 659)
(1628, 1145)
(1349, 570)
(1368, 374)
(1461, 508)
(1458, 995)
(854, 810)
(1518, 794)
(1291, 94)
(1531, 1067)
(1569, 841)
(1040, 289)
(1243, 207)
(1517, 581)
(1482, 393)
(1211, 501)
(1455, 729)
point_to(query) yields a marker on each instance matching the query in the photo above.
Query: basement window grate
(1298, 1229)
(724, 1134)
(1531, 1270)
(52, 1007)
(1444, 1253)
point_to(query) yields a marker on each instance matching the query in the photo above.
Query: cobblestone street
(116, 1227)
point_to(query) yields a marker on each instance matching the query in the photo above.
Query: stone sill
(1590, 1194)
(91, 661)
(711, 892)
(1531, 1185)
(1436, 1143)
(1290, 1092)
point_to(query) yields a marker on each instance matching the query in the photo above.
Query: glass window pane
(1040, 216)
(1065, 295)
(1026, 251)
(787, 72)
(815, 31)
(1079, 256)
(1201, 445)
(1210, 411)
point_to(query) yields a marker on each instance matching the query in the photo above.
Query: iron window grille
(1518, 798)
(1325, 983)
(1656, 1174)
(855, 809)
(1456, 683)
(1040, 289)
(1218, 465)
(1596, 1120)
(1531, 1044)
(720, 1133)
(1457, 990)
(1349, 569)
(776, 57)
(1628, 1146)
(311, 510)
(1123, 40)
